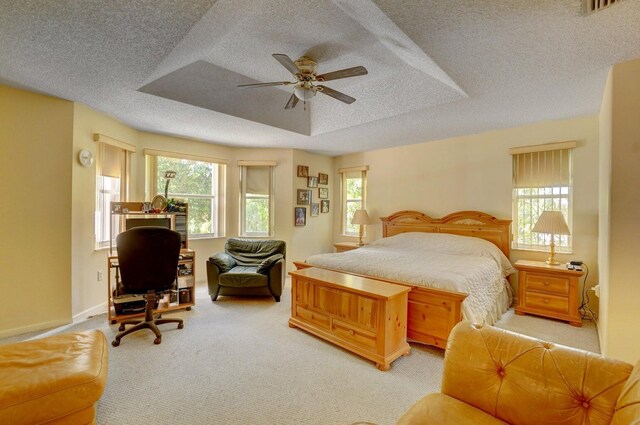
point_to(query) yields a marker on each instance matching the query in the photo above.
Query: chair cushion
(628, 405)
(243, 277)
(440, 409)
(250, 252)
(51, 378)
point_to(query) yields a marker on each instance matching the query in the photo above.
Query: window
(541, 181)
(256, 198)
(354, 183)
(112, 184)
(198, 181)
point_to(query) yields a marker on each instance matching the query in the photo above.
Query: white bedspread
(457, 263)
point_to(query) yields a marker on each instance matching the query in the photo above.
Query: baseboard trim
(33, 328)
(88, 313)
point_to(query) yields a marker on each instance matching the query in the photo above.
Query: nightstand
(346, 246)
(551, 291)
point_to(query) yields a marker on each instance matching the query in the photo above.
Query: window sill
(546, 251)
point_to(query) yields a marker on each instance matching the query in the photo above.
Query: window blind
(542, 169)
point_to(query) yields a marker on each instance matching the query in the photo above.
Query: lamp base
(552, 262)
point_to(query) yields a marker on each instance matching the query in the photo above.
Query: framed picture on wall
(303, 171)
(304, 197)
(301, 216)
(323, 178)
(315, 209)
(312, 181)
(323, 193)
(324, 206)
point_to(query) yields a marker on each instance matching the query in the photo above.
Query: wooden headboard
(464, 223)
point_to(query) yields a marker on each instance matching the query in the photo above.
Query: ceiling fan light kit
(305, 86)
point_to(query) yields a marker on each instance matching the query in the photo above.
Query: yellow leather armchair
(492, 376)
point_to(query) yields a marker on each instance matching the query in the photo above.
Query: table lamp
(361, 218)
(552, 223)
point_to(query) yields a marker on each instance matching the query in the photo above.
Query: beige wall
(35, 252)
(621, 173)
(89, 295)
(474, 173)
(317, 235)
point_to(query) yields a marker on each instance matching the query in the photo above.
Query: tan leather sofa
(53, 380)
(492, 376)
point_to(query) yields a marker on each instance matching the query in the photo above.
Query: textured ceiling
(437, 69)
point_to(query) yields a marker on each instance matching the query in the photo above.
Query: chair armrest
(267, 263)
(223, 261)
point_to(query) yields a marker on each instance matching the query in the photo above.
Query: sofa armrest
(223, 261)
(268, 262)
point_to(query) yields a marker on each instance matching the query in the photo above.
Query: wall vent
(591, 6)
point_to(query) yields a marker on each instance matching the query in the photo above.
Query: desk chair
(148, 258)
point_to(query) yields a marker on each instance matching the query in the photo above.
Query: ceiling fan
(306, 85)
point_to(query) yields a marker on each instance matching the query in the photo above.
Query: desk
(186, 282)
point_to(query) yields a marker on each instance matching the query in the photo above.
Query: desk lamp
(168, 175)
(361, 218)
(552, 223)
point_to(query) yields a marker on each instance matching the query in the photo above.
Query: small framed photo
(323, 178)
(303, 171)
(304, 197)
(323, 193)
(315, 209)
(312, 181)
(301, 216)
(324, 206)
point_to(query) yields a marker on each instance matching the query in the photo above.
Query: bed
(457, 267)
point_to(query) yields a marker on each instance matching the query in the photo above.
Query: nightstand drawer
(548, 284)
(546, 302)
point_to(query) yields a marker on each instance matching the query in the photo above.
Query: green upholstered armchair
(247, 267)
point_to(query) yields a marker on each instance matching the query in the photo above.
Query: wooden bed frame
(432, 313)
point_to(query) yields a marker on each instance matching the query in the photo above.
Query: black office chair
(148, 260)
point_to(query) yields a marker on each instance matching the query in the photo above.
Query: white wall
(620, 173)
(474, 173)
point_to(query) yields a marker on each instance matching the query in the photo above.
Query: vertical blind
(542, 169)
(542, 180)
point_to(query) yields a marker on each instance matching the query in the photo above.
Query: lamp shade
(360, 217)
(551, 222)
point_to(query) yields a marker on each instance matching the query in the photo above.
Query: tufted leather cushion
(524, 381)
(55, 380)
(628, 406)
(440, 409)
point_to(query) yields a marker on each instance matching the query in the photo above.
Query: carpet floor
(237, 362)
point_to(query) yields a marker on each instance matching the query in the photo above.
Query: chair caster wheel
(115, 342)
(121, 328)
(188, 308)
(180, 325)
(157, 341)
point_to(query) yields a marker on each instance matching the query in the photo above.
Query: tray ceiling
(436, 69)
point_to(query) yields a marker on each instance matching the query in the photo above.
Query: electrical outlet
(100, 275)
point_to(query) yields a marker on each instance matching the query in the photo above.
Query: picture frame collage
(305, 196)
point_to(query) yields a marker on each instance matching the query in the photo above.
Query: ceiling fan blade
(293, 101)
(336, 95)
(343, 73)
(287, 63)
(275, 83)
